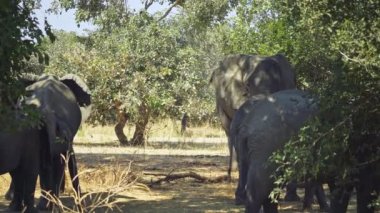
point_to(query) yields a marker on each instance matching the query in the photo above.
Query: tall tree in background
(143, 68)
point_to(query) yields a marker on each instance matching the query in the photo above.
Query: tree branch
(177, 2)
(179, 175)
(148, 3)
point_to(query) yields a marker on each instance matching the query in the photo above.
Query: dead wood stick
(178, 175)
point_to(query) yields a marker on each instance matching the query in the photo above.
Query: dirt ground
(102, 167)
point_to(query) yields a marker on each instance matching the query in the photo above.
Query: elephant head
(238, 77)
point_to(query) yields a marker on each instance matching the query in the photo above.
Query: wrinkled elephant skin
(262, 125)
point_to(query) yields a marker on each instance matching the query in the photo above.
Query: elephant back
(270, 122)
(59, 107)
(286, 110)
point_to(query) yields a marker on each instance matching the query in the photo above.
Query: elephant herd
(260, 109)
(26, 152)
(258, 104)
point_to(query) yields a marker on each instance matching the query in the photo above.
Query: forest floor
(121, 179)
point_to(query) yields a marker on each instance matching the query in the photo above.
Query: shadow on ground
(183, 195)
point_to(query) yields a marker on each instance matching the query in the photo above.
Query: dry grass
(100, 186)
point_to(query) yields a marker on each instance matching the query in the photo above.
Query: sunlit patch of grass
(5, 181)
(163, 130)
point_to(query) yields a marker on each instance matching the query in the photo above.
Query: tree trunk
(122, 118)
(184, 123)
(141, 123)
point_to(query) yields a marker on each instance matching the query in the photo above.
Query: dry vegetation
(127, 179)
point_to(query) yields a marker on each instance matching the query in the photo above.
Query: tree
(19, 41)
(140, 72)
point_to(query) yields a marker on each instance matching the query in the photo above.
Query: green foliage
(19, 42)
(334, 47)
(256, 29)
(335, 52)
(202, 14)
(142, 63)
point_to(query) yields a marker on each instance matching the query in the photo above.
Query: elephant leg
(269, 206)
(321, 197)
(50, 181)
(309, 195)
(291, 192)
(257, 190)
(242, 156)
(73, 170)
(230, 160)
(46, 184)
(240, 193)
(10, 193)
(365, 189)
(58, 174)
(340, 197)
(226, 121)
(29, 188)
(16, 203)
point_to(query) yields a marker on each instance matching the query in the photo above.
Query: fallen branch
(178, 175)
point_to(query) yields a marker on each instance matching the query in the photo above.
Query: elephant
(21, 153)
(366, 176)
(238, 77)
(315, 187)
(261, 126)
(62, 103)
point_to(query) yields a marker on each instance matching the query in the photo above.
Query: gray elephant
(239, 77)
(262, 125)
(21, 151)
(62, 103)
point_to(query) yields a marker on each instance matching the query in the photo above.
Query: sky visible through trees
(66, 20)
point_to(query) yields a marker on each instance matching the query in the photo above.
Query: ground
(117, 177)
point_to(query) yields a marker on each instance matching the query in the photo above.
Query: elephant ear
(79, 89)
(28, 79)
